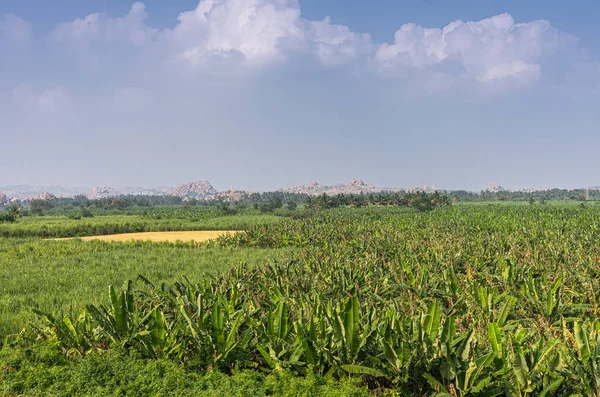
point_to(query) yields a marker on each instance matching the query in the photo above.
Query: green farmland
(462, 300)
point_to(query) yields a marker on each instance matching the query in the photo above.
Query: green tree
(13, 213)
(38, 206)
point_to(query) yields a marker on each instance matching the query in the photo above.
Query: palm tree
(14, 212)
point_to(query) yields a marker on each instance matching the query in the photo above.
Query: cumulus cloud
(227, 36)
(259, 30)
(99, 26)
(492, 49)
(337, 45)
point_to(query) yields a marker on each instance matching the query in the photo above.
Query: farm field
(465, 300)
(158, 221)
(169, 237)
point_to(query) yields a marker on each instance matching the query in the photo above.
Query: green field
(58, 226)
(63, 275)
(467, 300)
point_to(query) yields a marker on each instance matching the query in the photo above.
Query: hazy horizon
(268, 94)
(221, 187)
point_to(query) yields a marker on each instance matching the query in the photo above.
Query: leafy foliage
(460, 301)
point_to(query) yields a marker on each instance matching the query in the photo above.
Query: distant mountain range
(203, 190)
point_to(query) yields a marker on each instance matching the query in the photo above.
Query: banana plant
(545, 297)
(585, 363)
(525, 364)
(75, 336)
(164, 338)
(122, 321)
(315, 336)
(461, 373)
(354, 338)
(213, 324)
(276, 341)
(397, 353)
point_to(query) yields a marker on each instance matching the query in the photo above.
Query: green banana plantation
(460, 301)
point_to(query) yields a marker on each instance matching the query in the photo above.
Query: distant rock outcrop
(420, 189)
(495, 188)
(313, 189)
(46, 197)
(355, 186)
(231, 195)
(199, 189)
(102, 192)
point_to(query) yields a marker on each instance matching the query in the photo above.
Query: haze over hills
(200, 189)
(204, 190)
(355, 186)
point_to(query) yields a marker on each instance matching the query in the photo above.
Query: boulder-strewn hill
(47, 196)
(203, 190)
(495, 188)
(313, 188)
(102, 192)
(232, 195)
(198, 189)
(355, 186)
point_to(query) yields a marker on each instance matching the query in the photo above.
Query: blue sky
(261, 94)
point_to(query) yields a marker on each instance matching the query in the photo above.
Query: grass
(169, 237)
(60, 276)
(60, 226)
(55, 276)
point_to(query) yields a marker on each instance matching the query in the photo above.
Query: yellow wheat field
(197, 236)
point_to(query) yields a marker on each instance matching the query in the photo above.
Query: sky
(264, 94)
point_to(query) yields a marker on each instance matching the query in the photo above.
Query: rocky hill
(102, 192)
(232, 195)
(46, 196)
(355, 186)
(313, 188)
(203, 190)
(198, 189)
(495, 188)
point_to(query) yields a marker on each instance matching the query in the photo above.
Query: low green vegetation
(45, 371)
(55, 276)
(54, 227)
(456, 301)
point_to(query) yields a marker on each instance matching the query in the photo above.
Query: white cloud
(14, 29)
(491, 49)
(227, 36)
(259, 30)
(337, 45)
(414, 46)
(131, 28)
(516, 69)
